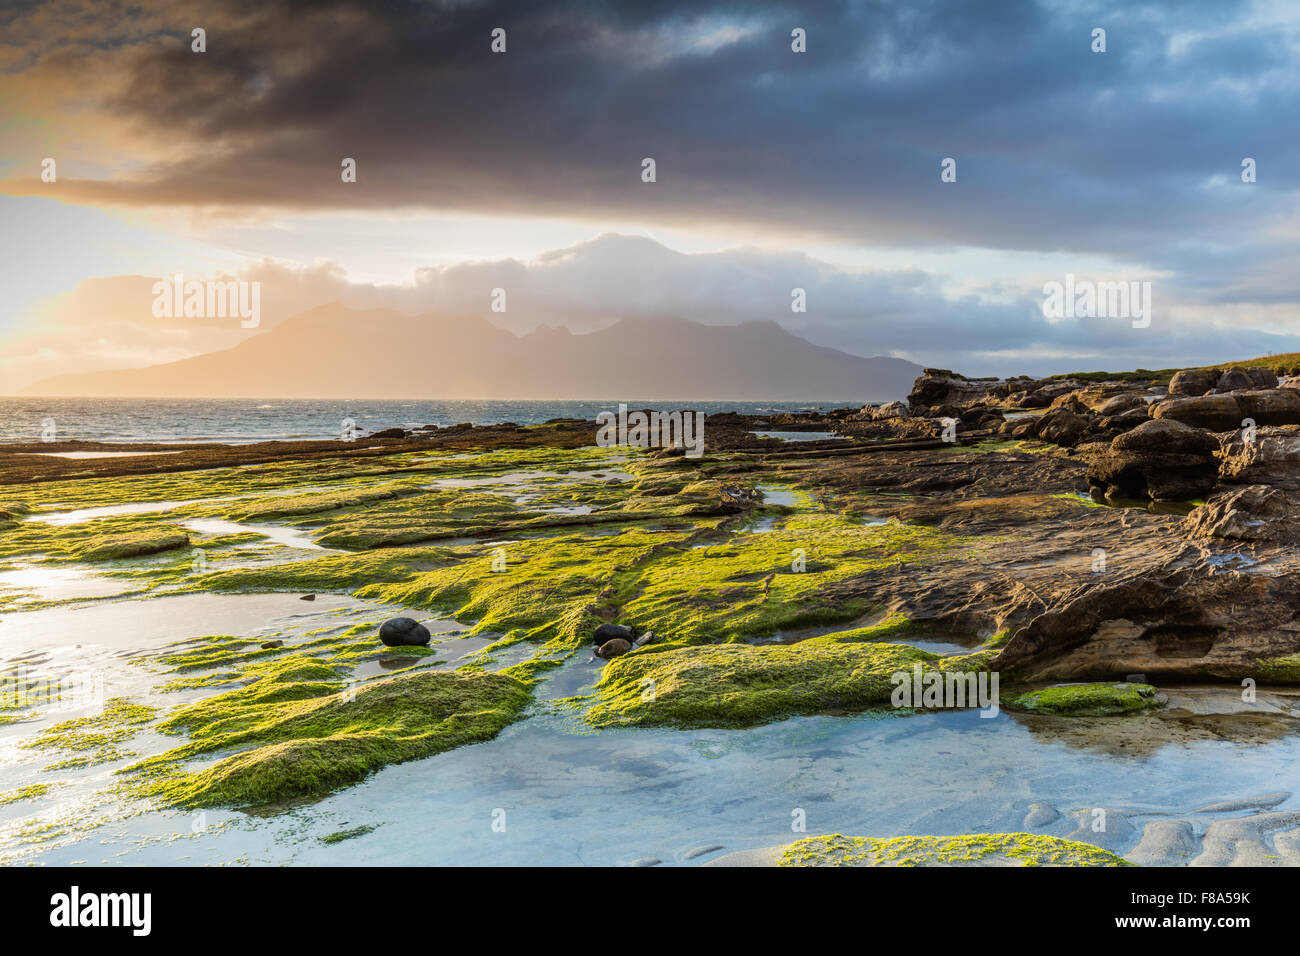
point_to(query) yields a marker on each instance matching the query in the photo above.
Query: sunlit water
(248, 420)
(567, 795)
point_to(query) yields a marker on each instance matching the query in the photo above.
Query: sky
(774, 170)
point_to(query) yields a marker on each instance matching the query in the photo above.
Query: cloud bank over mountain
(906, 313)
(337, 352)
(1122, 164)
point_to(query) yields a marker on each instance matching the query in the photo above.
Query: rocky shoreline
(1095, 544)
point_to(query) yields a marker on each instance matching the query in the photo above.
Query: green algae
(30, 792)
(730, 685)
(340, 835)
(116, 547)
(737, 684)
(1087, 700)
(291, 506)
(754, 585)
(103, 539)
(94, 739)
(307, 737)
(117, 722)
(100, 755)
(1022, 849)
(1283, 670)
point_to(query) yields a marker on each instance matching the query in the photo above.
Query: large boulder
(1234, 380)
(1229, 411)
(1193, 382)
(1242, 379)
(1263, 377)
(1160, 459)
(1061, 426)
(1270, 406)
(1118, 404)
(1216, 412)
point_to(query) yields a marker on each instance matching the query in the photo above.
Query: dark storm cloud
(1132, 155)
(1057, 147)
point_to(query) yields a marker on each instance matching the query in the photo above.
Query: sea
(240, 421)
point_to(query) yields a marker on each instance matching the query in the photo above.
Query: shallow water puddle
(780, 495)
(289, 537)
(797, 436)
(64, 583)
(110, 511)
(66, 662)
(159, 620)
(572, 797)
(101, 454)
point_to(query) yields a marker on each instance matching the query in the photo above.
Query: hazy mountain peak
(336, 351)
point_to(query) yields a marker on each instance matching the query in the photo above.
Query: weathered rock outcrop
(1123, 402)
(1244, 379)
(1159, 459)
(940, 387)
(1224, 412)
(1062, 427)
(1216, 412)
(1249, 513)
(1180, 620)
(890, 410)
(1269, 456)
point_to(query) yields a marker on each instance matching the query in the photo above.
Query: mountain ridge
(333, 351)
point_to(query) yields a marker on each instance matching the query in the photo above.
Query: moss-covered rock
(307, 737)
(288, 506)
(741, 684)
(977, 849)
(1087, 700)
(115, 547)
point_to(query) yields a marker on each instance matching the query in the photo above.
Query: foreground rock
(403, 632)
(1258, 513)
(1269, 456)
(1178, 621)
(1159, 459)
(1086, 700)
